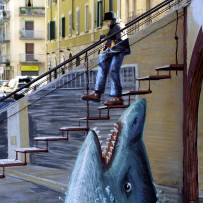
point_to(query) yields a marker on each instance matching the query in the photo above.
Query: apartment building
(22, 37)
(72, 25)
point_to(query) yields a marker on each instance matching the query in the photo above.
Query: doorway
(29, 50)
(29, 27)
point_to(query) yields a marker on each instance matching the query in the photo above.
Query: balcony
(4, 37)
(5, 59)
(4, 15)
(32, 58)
(32, 11)
(32, 35)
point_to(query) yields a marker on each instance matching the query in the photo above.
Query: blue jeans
(112, 65)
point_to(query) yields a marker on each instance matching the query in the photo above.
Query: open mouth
(109, 150)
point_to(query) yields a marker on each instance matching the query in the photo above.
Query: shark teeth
(103, 154)
(111, 148)
(99, 137)
(114, 137)
(107, 159)
(113, 143)
(115, 130)
(110, 154)
(108, 139)
(95, 129)
(97, 132)
(112, 131)
(101, 142)
(109, 135)
(104, 149)
(116, 125)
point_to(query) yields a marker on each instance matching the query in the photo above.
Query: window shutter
(77, 21)
(48, 31)
(48, 3)
(63, 31)
(99, 14)
(110, 5)
(70, 24)
(95, 14)
(86, 18)
(52, 30)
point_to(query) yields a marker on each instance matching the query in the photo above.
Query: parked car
(17, 83)
(22, 92)
(6, 102)
(13, 83)
(2, 81)
(3, 86)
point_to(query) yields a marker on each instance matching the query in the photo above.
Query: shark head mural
(120, 173)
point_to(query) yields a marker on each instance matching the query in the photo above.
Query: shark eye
(127, 187)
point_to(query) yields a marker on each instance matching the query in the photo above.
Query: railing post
(55, 74)
(87, 87)
(49, 75)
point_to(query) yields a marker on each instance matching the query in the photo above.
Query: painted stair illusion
(4, 163)
(65, 130)
(171, 67)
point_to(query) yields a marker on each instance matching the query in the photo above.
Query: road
(14, 190)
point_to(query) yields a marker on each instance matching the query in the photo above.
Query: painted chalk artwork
(107, 107)
(119, 174)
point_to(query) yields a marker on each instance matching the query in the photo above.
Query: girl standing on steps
(110, 61)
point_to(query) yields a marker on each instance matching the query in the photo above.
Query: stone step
(154, 77)
(172, 67)
(51, 138)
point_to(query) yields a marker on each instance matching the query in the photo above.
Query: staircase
(84, 128)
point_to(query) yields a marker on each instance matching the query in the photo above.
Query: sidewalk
(16, 190)
(55, 179)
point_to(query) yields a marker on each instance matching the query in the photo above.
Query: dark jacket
(120, 39)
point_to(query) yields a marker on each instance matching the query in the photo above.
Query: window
(51, 30)
(86, 18)
(70, 23)
(29, 3)
(148, 5)
(62, 27)
(48, 31)
(77, 61)
(71, 63)
(48, 3)
(110, 5)
(29, 51)
(77, 21)
(98, 14)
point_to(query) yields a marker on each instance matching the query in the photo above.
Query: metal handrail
(134, 21)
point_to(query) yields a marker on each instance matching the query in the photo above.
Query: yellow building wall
(75, 42)
(151, 48)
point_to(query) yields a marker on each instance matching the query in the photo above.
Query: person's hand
(105, 42)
